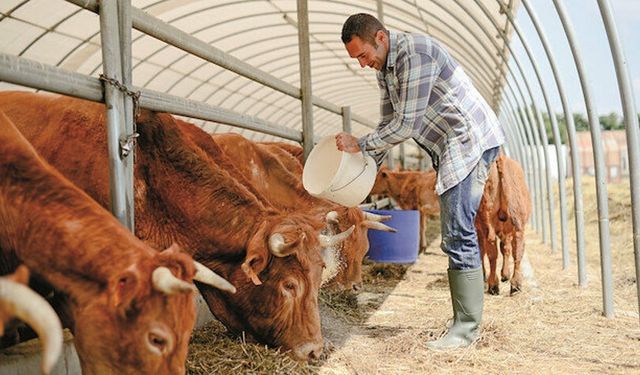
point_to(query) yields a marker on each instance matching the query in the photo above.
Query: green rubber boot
(467, 298)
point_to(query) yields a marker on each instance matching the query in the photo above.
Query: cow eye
(159, 341)
(290, 288)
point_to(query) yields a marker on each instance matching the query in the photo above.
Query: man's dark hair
(364, 26)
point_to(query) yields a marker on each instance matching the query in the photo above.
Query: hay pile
(211, 351)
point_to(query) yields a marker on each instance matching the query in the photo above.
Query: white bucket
(338, 176)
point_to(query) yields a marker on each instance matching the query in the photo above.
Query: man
(426, 95)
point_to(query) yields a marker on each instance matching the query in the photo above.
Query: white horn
(332, 217)
(23, 303)
(277, 245)
(378, 226)
(375, 217)
(165, 282)
(206, 276)
(328, 241)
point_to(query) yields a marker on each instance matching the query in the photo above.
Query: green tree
(580, 121)
(612, 121)
(562, 128)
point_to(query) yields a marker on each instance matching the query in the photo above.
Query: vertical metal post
(530, 161)
(540, 130)
(423, 159)
(598, 155)
(571, 132)
(532, 142)
(305, 77)
(631, 127)
(346, 119)
(380, 11)
(124, 17)
(114, 104)
(402, 156)
(515, 143)
(547, 205)
(391, 163)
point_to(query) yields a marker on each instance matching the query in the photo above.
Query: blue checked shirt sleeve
(416, 75)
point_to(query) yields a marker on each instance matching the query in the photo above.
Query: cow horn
(328, 241)
(378, 226)
(277, 245)
(206, 276)
(23, 303)
(332, 217)
(165, 282)
(375, 217)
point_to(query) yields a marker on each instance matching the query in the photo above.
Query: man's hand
(346, 142)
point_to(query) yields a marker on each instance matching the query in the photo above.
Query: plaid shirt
(426, 95)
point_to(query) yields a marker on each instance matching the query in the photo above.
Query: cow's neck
(203, 207)
(59, 232)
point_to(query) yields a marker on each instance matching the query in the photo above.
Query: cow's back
(64, 132)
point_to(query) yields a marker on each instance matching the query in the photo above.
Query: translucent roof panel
(264, 34)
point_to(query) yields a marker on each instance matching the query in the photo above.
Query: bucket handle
(364, 168)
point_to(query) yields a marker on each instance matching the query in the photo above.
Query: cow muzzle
(308, 351)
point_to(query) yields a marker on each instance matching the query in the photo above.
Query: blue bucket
(400, 247)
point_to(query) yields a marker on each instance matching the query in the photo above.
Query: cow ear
(123, 289)
(257, 255)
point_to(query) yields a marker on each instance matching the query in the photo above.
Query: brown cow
(294, 150)
(273, 169)
(17, 300)
(515, 208)
(130, 307)
(503, 213)
(183, 196)
(412, 190)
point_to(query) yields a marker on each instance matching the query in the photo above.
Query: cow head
(278, 281)
(143, 321)
(355, 247)
(380, 186)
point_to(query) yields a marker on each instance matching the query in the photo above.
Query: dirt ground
(553, 326)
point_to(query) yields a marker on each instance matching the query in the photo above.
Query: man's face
(373, 56)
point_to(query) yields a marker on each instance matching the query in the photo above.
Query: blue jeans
(458, 208)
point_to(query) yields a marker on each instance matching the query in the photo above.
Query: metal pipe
(305, 77)
(596, 144)
(633, 138)
(124, 18)
(114, 107)
(346, 119)
(528, 158)
(25, 72)
(515, 145)
(540, 131)
(556, 135)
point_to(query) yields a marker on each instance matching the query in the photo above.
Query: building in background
(616, 159)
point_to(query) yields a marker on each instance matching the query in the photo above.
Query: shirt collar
(393, 49)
